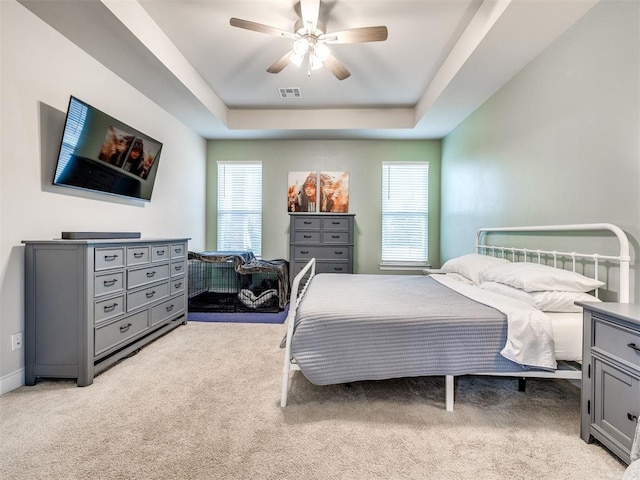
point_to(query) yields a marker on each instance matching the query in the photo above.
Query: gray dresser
(611, 375)
(327, 237)
(90, 303)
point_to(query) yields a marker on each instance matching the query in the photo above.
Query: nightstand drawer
(617, 341)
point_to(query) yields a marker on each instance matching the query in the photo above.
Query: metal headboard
(622, 259)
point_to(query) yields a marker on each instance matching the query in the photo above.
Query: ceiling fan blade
(336, 67)
(310, 10)
(358, 35)
(278, 65)
(259, 27)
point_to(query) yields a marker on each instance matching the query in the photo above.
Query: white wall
(40, 69)
(560, 143)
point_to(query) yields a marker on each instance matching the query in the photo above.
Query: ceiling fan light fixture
(321, 51)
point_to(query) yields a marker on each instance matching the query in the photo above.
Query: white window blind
(240, 206)
(405, 213)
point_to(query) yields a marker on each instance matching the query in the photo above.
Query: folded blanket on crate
(245, 263)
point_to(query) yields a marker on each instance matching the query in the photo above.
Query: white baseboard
(11, 381)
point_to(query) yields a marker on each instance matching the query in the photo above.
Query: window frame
(396, 263)
(250, 213)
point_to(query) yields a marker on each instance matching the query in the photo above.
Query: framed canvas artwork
(302, 192)
(334, 192)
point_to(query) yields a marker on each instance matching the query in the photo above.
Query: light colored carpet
(203, 403)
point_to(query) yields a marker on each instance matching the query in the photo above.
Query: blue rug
(240, 317)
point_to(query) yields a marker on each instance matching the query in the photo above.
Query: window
(240, 206)
(405, 214)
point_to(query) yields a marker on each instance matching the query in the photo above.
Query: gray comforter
(373, 327)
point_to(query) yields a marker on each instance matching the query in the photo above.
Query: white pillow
(508, 291)
(533, 277)
(471, 266)
(559, 301)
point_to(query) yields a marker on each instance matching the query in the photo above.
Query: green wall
(361, 158)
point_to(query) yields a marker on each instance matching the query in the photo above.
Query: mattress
(374, 327)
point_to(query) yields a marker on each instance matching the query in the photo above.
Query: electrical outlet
(16, 341)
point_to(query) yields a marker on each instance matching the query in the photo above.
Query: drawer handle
(138, 255)
(110, 308)
(306, 222)
(178, 285)
(169, 307)
(338, 269)
(110, 258)
(150, 294)
(178, 268)
(110, 283)
(335, 223)
(338, 252)
(632, 417)
(159, 252)
(124, 328)
(177, 250)
(307, 236)
(304, 252)
(335, 236)
(633, 347)
(151, 274)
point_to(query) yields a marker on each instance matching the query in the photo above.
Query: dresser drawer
(109, 308)
(335, 237)
(334, 267)
(106, 258)
(147, 295)
(307, 237)
(167, 309)
(336, 224)
(113, 334)
(108, 283)
(615, 341)
(143, 276)
(306, 223)
(177, 285)
(138, 255)
(325, 253)
(159, 253)
(178, 250)
(177, 268)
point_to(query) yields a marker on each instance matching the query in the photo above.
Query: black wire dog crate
(232, 282)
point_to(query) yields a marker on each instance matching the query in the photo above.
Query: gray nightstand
(610, 403)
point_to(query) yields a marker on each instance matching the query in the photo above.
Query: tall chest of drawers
(610, 404)
(90, 303)
(326, 237)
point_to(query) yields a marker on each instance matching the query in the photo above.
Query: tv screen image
(100, 153)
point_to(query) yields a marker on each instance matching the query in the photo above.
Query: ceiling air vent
(290, 92)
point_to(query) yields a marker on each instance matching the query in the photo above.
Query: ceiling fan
(311, 40)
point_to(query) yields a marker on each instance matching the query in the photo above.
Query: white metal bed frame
(564, 371)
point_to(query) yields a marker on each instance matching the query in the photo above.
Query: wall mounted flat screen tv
(100, 153)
